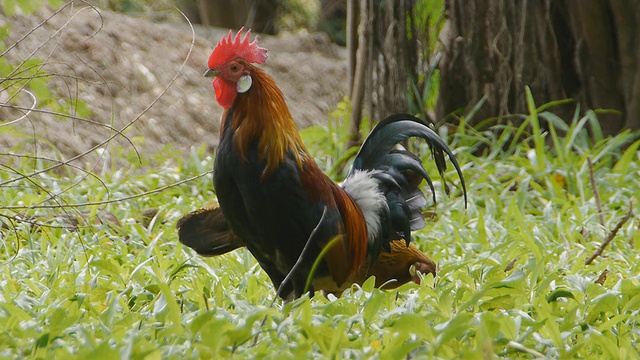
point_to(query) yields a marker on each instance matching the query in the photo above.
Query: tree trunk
(394, 58)
(259, 15)
(352, 41)
(586, 50)
(388, 59)
(333, 19)
(357, 92)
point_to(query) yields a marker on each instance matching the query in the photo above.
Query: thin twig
(27, 110)
(104, 202)
(596, 193)
(125, 127)
(298, 263)
(293, 270)
(611, 235)
(66, 116)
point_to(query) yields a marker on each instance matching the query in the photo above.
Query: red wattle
(225, 92)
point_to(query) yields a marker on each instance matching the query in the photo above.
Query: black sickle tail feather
(400, 173)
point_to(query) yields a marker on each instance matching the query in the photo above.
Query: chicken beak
(210, 73)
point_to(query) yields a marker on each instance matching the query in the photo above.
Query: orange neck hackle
(261, 114)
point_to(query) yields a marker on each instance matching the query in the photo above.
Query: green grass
(512, 280)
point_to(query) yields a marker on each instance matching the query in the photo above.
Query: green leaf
(455, 328)
(103, 352)
(374, 302)
(604, 305)
(538, 139)
(629, 155)
(558, 294)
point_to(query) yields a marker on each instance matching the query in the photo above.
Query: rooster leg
(299, 282)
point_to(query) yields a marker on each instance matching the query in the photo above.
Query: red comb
(229, 48)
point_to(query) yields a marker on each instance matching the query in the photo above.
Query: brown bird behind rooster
(207, 232)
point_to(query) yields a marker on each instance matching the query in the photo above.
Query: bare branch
(298, 263)
(611, 235)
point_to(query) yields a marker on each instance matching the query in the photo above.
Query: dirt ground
(120, 65)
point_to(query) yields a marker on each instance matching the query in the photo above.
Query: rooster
(276, 201)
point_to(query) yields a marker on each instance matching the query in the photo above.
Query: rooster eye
(234, 68)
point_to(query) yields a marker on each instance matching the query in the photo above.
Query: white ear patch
(244, 84)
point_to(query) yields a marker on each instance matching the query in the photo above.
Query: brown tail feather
(206, 231)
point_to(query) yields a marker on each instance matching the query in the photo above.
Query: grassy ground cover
(515, 279)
